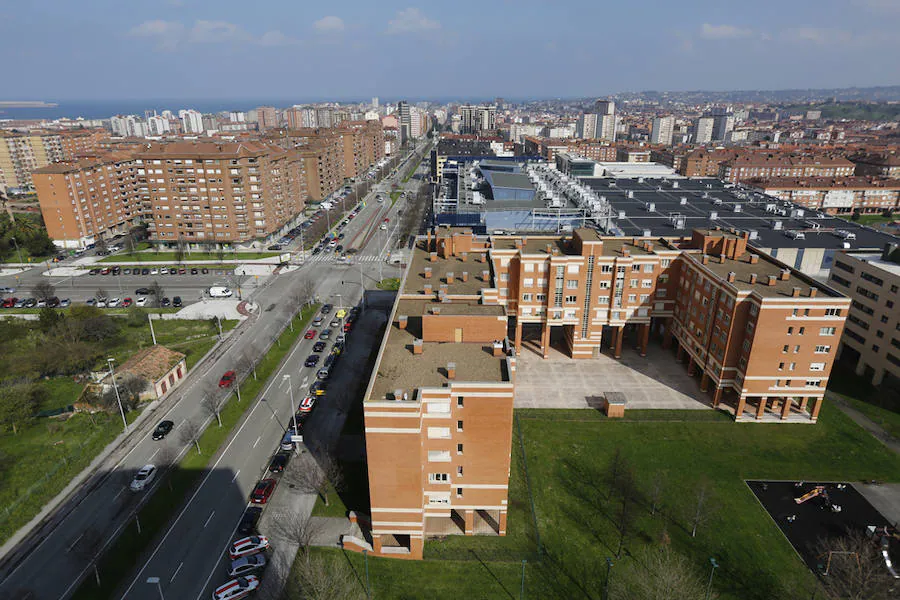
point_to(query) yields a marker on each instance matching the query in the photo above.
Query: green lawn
(887, 419)
(193, 338)
(567, 463)
(871, 219)
(120, 559)
(394, 197)
(392, 283)
(170, 256)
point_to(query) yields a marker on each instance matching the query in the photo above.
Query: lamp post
(609, 564)
(522, 589)
(112, 374)
(366, 557)
(715, 565)
(151, 581)
(287, 377)
(19, 252)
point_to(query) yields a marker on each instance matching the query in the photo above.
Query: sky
(345, 50)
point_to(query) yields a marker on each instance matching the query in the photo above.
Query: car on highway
(7, 290)
(176, 302)
(278, 462)
(317, 321)
(326, 308)
(143, 291)
(143, 478)
(246, 546)
(312, 360)
(340, 339)
(326, 333)
(340, 314)
(348, 326)
(263, 491)
(383, 227)
(247, 564)
(335, 323)
(307, 404)
(227, 379)
(162, 429)
(310, 334)
(236, 588)
(249, 519)
(319, 346)
(317, 388)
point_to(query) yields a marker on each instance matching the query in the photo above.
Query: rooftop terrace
(416, 281)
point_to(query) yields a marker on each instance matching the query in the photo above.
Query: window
(635, 268)
(648, 268)
(460, 402)
(827, 331)
(665, 262)
(802, 330)
(781, 366)
(604, 285)
(438, 478)
(459, 426)
(661, 293)
(817, 366)
(438, 433)
(832, 312)
(879, 334)
(634, 283)
(459, 471)
(433, 499)
(792, 366)
(571, 284)
(573, 269)
(504, 277)
(606, 268)
(459, 492)
(632, 297)
(823, 349)
(646, 283)
(541, 297)
(603, 300)
(784, 349)
(439, 455)
(528, 282)
(875, 347)
(796, 349)
(526, 297)
(459, 449)
(571, 299)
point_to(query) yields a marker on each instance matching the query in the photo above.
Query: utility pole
(152, 333)
(112, 374)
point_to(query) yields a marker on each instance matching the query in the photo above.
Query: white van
(218, 291)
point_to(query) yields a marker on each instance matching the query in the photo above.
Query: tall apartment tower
(600, 124)
(586, 127)
(703, 130)
(485, 119)
(662, 131)
(404, 117)
(722, 124)
(467, 118)
(192, 121)
(375, 102)
(266, 117)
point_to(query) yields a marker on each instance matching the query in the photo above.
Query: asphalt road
(51, 565)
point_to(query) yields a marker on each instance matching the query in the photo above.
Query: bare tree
(43, 289)
(246, 362)
(130, 243)
(190, 433)
(317, 475)
(855, 568)
(657, 574)
(211, 401)
(180, 249)
(299, 530)
(101, 293)
(306, 292)
(236, 278)
(220, 253)
(166, 459)
(623, 490)
(700, 513)
(289, 312)
(656, 491)
(323, 577)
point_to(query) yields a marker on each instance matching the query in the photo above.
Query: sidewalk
(866, 423)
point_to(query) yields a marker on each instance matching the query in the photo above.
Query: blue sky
(60, 49)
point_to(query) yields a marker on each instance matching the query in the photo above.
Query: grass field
(169, 256)
(887, 419)
(871, 219)
(392, 283)
(120, 559)
(567, 462)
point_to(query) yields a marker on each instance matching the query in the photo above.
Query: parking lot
(655, 381)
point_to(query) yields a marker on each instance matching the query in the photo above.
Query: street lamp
(715, 565)
(609, 564)
(287, 377)
(112, 374)
(151, 581)
(16, 244)
(366, 557)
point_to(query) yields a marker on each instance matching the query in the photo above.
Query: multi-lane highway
(187, 559)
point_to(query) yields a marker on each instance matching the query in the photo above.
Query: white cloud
(411, 20)
(816, 35)
(216, 32)
(329, 24)
(723, 32)
(276, 38)
(167, 34)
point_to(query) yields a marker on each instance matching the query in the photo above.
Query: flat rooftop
(416, 282)
(400, 369)
(538, 244)
(876, 261)
(412, 308)
(764, 267)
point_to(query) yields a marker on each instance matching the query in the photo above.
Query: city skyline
(183, 49)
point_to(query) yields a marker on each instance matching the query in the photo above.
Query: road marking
(235, 475)
(175, 574)
(72, 545)
(154, 454)
(272, 417)
(209, 519)
(257, 441)
(119, 493)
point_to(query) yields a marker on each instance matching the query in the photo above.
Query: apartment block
(757, 166)
(834, 195)
(662, 130)
(878, 164)
(363, 145)
(872, 335)
(219, 193)
(21, 154)
(88, 198)
(601, 151)
(266, 117)
(760, 338)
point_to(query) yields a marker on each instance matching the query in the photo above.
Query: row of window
(816, 366)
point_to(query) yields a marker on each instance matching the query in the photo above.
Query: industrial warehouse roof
(509, 180)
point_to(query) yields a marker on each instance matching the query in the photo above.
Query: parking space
(655, 381)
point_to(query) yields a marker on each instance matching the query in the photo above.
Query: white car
(253, 544)
(141, 301)
(383, 227)
(143, 478)
(154, 271)
(237, 588)
(247, 564)
(101, 302)
(112, 303)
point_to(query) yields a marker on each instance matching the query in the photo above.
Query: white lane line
(155, 452)
(257, 441)
(209, 519)
(235, 475)
(175, 574)
(272, 417)
(72, 545)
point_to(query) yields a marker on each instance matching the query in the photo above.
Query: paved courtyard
(655, 381)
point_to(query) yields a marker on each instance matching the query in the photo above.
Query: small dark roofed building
(509, 186)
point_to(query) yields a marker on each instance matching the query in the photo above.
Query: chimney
(449, 277)
(705, 259)
(795, 292)
(626, 251)
(785, 274)
(417, 346)
(812, 292)
(518, 243)
(463, 256)
(754, 258)
(432, 256)
(485, 275)
(402, 321)
(722, 259)
(443, 289)
(482, 257)
(451, 370)
(465, 276)
(426, 289)
(752, 278)
(771, 280)
(435, 310)
(497, 348)
(549, 248)
(399, 395)
(730, 277)
(428, 241)
(427, 272)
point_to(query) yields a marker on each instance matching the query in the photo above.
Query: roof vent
(771, 280)
(752, 278)
(730, 277)
(754, 258)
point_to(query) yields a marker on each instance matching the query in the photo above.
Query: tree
(101, 293)
(298, 529)
(190, 433)
(40, 244)
(100, 245)
(657, 574)
(129, 388)
(656, 491)
(18, 403)
(135, 317)
(43, 290)
(246, 363)
(623, 491)
(157, 291)
(129, 243)
(180, 248)
(700, 513)
(315, 478)
(323, 577)
(855, 568)
(49, 318)
(236, 279)
(211, 402)
(306, 292)
(220, 253)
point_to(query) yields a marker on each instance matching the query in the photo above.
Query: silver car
(247, 564)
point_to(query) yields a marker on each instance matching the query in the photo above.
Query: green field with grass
(391, 284)
(122, 557)
(187, 258)
(871, 219)
(568, 465)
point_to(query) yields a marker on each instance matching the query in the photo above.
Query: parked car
(227, 379)
(253, 544)
(126, 271)
(142, 301)
(176, 302)
(307, 404)
(162, 429)
(113, 303)
(9, 302)
(312, 360)
(248, 520)
(319, 346)
(317, 321)
(335, 323)
(165, 302)
(204, 270)
(263, 491)
(94, 272)
(194, 271)
(127, 302)
(237, 588)
(91, 301)
(144, 477)
(247, 564)
(310, 334)
(278, 463)
(340, 314)
(65, 303)
(143, 291)
(145, 271)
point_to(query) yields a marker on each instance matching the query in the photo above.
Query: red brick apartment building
(760, 337)
(834, 195)
(598, 150)
(762, 166)
(879, 164)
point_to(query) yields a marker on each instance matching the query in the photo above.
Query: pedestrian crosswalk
(330, 258)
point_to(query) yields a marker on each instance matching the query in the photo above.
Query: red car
(386, 220)
(227, 379)
(10, 302)
(348, 326)
(127, 302)
(262, 491)
(310, 334)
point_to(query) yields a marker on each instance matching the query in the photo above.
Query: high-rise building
(375, 102)
(266, 117)
(663, 128)
(722, 125)
(703, 130)
(404, 117)
(157, 126)
(477, 120)
(21, 154)
(600, 124)
(586, 126)
(192, 121)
